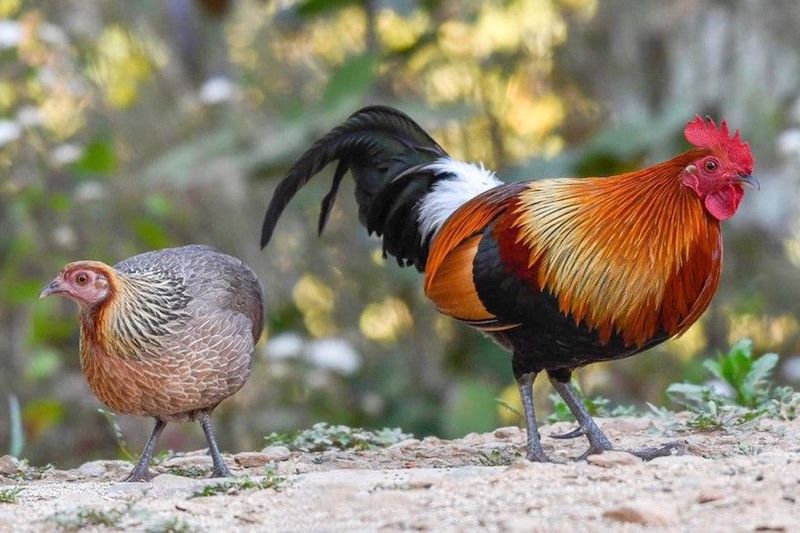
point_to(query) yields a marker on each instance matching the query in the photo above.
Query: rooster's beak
(54, 287)
(750, 180)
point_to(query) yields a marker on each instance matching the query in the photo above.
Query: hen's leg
(598, 442)
(141, 472)
(534, 444)
(220, 470)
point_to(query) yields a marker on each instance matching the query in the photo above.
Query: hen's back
(212, 281)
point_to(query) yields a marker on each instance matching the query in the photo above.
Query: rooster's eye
(711, 165)
(81, 279)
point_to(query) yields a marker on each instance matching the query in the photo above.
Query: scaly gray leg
(141, 472)
(534, 444)
(598, 442)
(220, 470)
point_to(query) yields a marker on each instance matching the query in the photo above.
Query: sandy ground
(727, 481)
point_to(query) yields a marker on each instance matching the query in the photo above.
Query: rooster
(561, 272)
(166, 334)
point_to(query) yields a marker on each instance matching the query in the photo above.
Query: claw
(669, 449)
(577, 432)
(138, 475)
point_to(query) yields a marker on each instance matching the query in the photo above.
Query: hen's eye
(711, 165)
(81, 279)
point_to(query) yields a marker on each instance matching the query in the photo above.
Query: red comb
(705, 134)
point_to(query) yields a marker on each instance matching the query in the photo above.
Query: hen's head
(717, 177)
(85, 282)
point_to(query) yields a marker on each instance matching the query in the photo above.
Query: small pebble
(710, 495)
(645, 512)
(508, 432)
(277, 453)
(613, 458)
(9, 465)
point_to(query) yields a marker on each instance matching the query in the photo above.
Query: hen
(167, 334)
(561, 272)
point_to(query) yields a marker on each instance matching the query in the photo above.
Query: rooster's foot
(577, 432)
(667, 450)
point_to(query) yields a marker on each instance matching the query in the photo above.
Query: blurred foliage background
(127, 126)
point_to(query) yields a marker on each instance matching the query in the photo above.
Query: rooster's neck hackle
(634, 254)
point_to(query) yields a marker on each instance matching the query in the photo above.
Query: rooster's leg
(141, 472)
(598, 442)
(220, 470)
(534, 444)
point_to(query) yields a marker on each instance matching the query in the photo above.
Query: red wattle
(723, 204)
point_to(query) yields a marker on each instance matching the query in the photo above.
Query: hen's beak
(750, 180)
(54, 287)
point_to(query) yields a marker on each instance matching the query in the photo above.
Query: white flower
(284, 346)
(64, 154)
(336, 355)
(217, 89)
(9, 131)
(10, 33)
(789, 142)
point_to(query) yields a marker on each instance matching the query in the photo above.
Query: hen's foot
(139, 475)
(221, 471)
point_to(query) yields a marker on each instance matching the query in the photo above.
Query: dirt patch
(743, 481)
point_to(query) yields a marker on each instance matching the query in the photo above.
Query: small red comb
(705, 134)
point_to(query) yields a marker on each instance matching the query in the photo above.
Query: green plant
(170, 525)
(10, 494)
(271, 480)
(785, 403)
(497, 457)
(122, 443)
(17, 443)
(83, 517)
(748, 377)
(322, 436)
(189, 471)
(752, 393)
(596, 405)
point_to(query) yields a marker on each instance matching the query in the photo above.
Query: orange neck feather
(635, 254)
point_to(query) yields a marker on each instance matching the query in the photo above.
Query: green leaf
(350, 82)
(99, 157)
(43, 364)
(151, 233)
(472, 408)
(16, 429)
(312, 8)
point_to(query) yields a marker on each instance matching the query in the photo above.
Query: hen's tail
(406, 185)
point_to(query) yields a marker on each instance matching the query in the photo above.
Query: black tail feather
(387, 153)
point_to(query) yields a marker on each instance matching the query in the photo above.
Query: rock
(508, 432)
(710, 495)
(403, 444)
(259, 459)
(198, 461)
(626, 424)
(645, 512)
(170, 485)
(101, 468)
(277, 453)
(611, 458)
(679, 461)
(9, 465)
